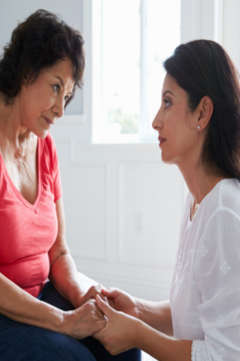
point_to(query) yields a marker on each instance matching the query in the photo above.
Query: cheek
(41, 103)
(179, 136)
(32, 110)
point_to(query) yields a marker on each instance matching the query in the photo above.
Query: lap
(101, 354)
(21, 342)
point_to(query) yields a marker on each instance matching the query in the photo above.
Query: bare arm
(63, 273)
(23, 307)
(20, 306)
(123, 332)
(161, 346)
(155, 314)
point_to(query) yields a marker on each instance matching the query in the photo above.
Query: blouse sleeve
(217, 277)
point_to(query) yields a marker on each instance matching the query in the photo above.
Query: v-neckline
(14, 188)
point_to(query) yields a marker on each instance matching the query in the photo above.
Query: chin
(42, 134)
(168, 160)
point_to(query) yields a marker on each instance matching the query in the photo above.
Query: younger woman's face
(42, 102)
(176, 124)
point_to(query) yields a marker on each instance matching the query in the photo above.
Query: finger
(91, 293)
(112, 293)
(104, 307)
(105, 292)
(103, 297)
(86, 296)
(100, 314)
(96, 290)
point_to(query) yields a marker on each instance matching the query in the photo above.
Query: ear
(205, 111)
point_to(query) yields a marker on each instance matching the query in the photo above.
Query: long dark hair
(202, 67)
(37, 43)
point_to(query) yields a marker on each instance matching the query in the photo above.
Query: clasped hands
(119, 315)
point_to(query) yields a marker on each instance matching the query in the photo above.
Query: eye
(56, 88)
(167, 102)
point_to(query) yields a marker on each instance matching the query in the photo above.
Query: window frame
(199, 19)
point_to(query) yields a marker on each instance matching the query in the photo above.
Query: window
(130, 40)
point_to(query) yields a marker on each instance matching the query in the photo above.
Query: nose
(157, 121)
(59, 107)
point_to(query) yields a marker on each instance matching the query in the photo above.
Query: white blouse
(205, 292)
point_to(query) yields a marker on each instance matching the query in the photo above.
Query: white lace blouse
(205, 292)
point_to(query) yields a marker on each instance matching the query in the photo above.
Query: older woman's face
(41, 103)
(176, 124)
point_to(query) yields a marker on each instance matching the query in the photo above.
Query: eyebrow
(60, 79)
(62, 82)
(167, 92)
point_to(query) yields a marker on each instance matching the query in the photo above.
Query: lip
(161, 140)
(48, 120)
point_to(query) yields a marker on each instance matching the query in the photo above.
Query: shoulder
(48, 143)
(48, 147)
(221, 210)
(228, 195)
(218, 225)
(218, 246)
(225, 197)
(48, 153)
(220, 236)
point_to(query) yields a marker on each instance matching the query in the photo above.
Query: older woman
(198, 127)
(40, 320)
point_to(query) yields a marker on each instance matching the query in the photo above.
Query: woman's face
(176, 124)
(42, 102)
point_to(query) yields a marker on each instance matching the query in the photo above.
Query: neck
(12, 134)
(200, 179)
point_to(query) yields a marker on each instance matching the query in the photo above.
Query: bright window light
(131, 39)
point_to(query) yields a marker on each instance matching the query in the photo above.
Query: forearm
(161, 346)
(156, 314)
(20, 306)
(63, 271)
(68, 281)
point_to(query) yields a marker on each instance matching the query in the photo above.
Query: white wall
(213, 19)
(119, 204)
(230, 35)
(120, 199)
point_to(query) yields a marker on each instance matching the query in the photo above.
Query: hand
(121, 301)
(83, 321)
(91, 293)
(120, 332)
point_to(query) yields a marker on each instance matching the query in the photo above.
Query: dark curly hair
(202, 67)
(37, 43)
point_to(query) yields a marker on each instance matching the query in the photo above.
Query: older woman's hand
(120, 332)
(83, 321)
(91, 293)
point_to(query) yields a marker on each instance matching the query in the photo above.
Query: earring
(198, 127)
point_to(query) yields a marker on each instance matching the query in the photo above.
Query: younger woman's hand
(120, 332)
(121, 301)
